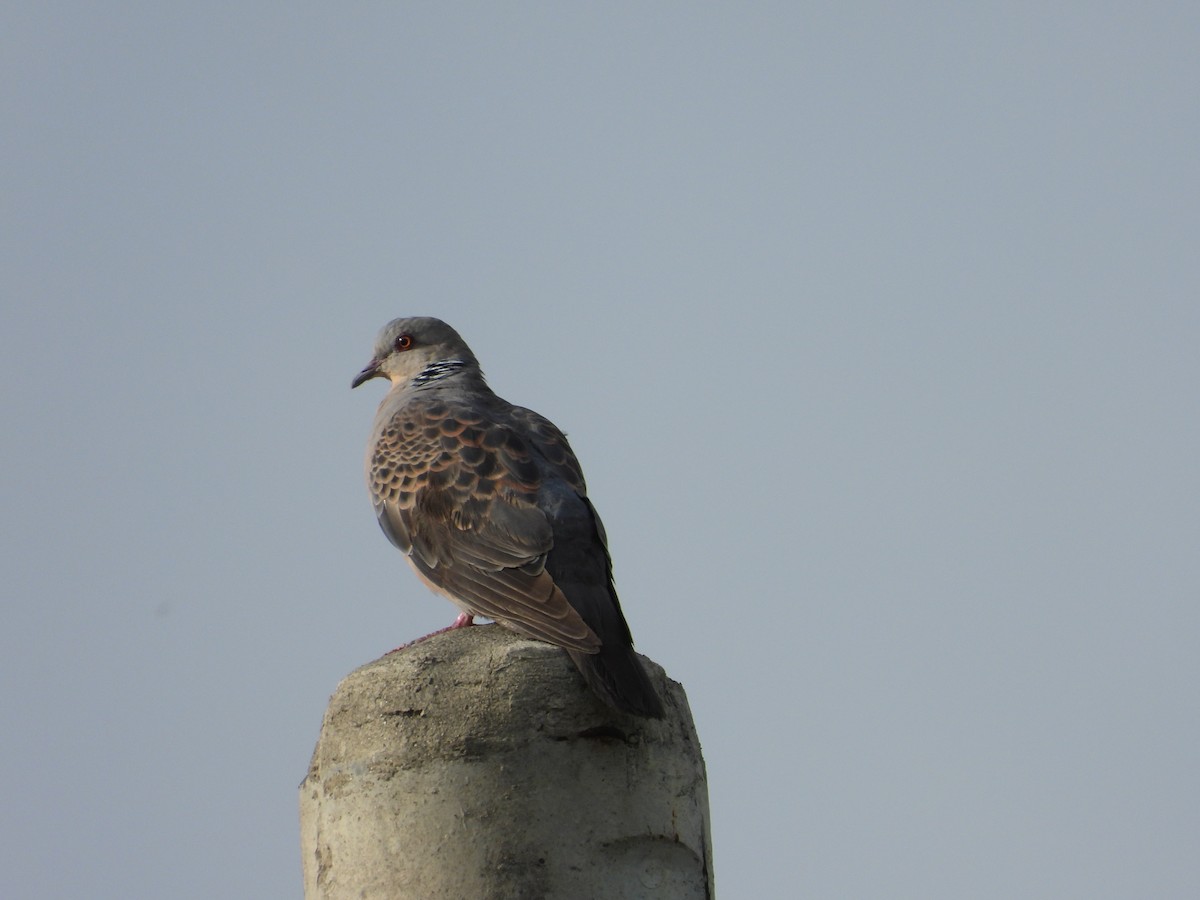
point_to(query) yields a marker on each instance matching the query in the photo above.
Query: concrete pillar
(475, 764)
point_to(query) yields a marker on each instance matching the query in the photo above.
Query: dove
(488, 503)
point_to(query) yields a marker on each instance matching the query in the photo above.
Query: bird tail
(618, 677)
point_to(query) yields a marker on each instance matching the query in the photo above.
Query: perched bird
(488, 503)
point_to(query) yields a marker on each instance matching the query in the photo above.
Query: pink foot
(463, 621)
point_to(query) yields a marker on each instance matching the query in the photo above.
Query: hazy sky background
(876, 328)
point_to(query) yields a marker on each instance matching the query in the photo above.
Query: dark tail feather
(617, 677)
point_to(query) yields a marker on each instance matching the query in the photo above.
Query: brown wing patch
(427, 445)
(457, 490)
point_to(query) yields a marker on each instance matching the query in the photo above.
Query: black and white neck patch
(436, 371)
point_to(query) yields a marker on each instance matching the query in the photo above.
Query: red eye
(404, 342)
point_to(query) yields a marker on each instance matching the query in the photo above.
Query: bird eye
(404, 342)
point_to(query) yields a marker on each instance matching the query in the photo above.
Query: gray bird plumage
(489, 505)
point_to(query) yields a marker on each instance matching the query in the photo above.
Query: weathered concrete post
(475, 764)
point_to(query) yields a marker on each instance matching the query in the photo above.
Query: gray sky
(875, 328)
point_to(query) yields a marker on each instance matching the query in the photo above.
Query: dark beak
(371, 371)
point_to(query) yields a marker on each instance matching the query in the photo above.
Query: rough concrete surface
(476, 764)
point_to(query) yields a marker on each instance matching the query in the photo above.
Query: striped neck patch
(436, 371)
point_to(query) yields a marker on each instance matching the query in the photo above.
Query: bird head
(417, 348)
